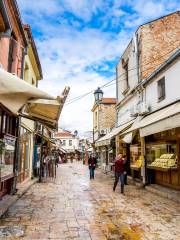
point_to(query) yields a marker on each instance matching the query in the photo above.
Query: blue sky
(80, 42)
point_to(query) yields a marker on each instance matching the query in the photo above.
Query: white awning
(128, 138)
(136, 125)
(44, 110)
(14, 92)
(162, 120)
(106, 140)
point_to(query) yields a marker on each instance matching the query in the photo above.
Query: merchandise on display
(165, 161)
(138, 163)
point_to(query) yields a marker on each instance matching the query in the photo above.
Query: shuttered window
(161, 89)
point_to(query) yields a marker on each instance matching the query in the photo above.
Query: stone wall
(107, 116)
(159, 39)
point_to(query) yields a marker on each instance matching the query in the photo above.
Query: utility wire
(110, 82)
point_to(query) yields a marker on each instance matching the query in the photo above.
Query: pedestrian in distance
(92, 162)
(119, 172)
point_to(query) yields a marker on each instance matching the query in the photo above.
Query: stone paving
(73, 207)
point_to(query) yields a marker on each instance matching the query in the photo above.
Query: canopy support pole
(41, 159)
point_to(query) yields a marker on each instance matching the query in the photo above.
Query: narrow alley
(73, 207)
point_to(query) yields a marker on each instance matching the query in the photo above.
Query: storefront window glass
(156, 151)
(135, 153)
(24, 149)
(7, 149)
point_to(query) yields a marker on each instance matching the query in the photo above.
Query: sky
(80, 43)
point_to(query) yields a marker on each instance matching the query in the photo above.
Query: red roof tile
(109, 100)
(63, 134)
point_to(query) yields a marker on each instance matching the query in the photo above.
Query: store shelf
(159, 168)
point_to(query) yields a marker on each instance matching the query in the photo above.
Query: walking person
(119, 172)
(92, 162)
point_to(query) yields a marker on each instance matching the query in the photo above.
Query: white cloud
(77, 53)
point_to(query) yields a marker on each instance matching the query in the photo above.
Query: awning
(22, 98)
(14, 92)
(159, 121)
(162, 120)
(106, 140)
(44, 110)
(136, 125)
(128, 138)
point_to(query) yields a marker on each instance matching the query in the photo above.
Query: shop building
(151, 47)
(32, 74)
(104, 118)
(12, 49)
(153, 139)
(68, 141)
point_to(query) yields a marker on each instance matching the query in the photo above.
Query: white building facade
(68, 141)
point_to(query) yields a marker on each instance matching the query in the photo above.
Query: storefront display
(7, 157)
(135, 157)
(162, 158)
(165, 161)
(8, 133)
(24, 154)
(138, 163)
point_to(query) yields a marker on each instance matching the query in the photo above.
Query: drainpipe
(137, 55)
(41, 159)
(16, 155)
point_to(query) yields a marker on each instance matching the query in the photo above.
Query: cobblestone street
(76, 208)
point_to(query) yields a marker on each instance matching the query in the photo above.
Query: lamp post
(98, 95)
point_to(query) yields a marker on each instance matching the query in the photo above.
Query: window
(161, 89)
(64, 142)
(126, 76)
(70, 142)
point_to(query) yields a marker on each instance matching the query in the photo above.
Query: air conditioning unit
(134, 111)
(103, 131)
(144, 109)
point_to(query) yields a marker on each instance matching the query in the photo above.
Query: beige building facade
(104, 118)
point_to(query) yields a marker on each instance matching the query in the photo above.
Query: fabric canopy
(136, 125)
(161, 120)
(22, 98)
(45, 110)
(128, 138)
(106, 140)
(14, 92)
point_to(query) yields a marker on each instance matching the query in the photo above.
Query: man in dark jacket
(92, 161)
(119, 172)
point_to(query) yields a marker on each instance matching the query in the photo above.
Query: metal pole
(41, 159)
(16, 155)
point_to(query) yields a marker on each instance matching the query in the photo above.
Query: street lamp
(98, 95)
